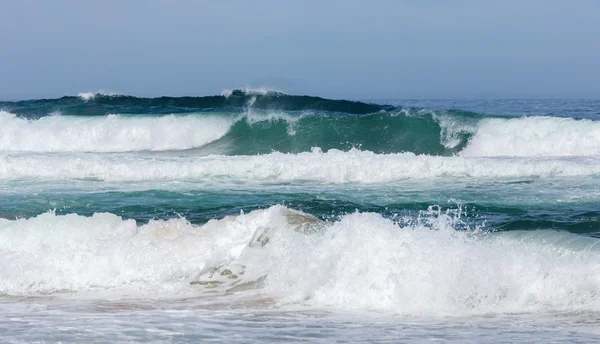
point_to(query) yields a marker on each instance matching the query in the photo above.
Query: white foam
(366, 262)
(535, 136)
(51, 253)
(86, 95)
(451, 129)
(90, 95)
(111, 133)
(333, 166)
(250, 90)
(361, 262)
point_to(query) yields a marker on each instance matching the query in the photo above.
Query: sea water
(257, 216)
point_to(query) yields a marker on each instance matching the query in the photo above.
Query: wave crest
(293, 124)
(250, 91)
(535, 136)
(248, 133)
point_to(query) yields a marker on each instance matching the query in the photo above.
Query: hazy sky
(342, 49)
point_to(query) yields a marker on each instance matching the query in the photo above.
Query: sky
(339, 49)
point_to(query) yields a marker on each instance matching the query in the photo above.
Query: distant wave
(250, 91)
(94, 104)
(91, 95)
(245, 133)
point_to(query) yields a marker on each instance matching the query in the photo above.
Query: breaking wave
(109, 134)
(333, 166)
(361, 261)
(535, 136)
(248, 122)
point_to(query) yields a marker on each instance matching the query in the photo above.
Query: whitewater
(255, 215)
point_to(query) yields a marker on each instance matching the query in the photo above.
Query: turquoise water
(256, 211)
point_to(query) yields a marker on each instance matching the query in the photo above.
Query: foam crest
(86, 95)
(333, 166)
(112, 133)
(535, 136)
(91, 95)
(249, 91)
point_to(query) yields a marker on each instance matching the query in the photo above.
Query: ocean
(256, 216)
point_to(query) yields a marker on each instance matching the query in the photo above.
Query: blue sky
(341, 49)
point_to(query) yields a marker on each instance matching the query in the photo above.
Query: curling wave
(535, 136)
(244, 133)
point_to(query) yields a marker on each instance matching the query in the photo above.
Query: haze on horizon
(342, 49)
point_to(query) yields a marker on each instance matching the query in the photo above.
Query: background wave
(235, 133)
(362, 261)
(98, 104)
(249, 122)
(535, 136)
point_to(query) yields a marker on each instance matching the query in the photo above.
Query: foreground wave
(361, 261)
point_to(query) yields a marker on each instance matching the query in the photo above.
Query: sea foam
(535, 136)
(333, 166)
(362, 261)
(250, 91)
(252, 132)
(87, 96)
(111, 133)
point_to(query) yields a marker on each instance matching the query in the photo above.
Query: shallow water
(182, 321)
